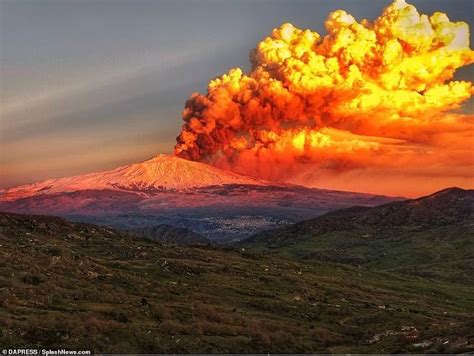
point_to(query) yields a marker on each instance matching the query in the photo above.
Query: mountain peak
(450, 191)
(161, 172)
(453, 196)
(161, 157)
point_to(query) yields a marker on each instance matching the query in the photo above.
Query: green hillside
(431, 237)
(77, 286)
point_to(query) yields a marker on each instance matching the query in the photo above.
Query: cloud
(369, 96)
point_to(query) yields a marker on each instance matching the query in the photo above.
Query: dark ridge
(432, 235)
(172, 234)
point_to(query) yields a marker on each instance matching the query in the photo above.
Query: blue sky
(89, 85)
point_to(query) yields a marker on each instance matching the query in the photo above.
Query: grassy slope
(84, 287)
(431, 237)
(442, 253)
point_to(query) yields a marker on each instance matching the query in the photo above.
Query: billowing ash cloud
(368, 94)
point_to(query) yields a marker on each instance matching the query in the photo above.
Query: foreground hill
(171, 234)
(431, 236)
(218, 204)
(78, 286)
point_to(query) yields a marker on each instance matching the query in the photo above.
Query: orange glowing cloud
(367, 97)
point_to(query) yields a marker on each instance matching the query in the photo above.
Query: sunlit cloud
(373, 96)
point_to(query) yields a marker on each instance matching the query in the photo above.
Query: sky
(88, 85)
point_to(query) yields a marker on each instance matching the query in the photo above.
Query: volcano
(216, 203)
(160, 173)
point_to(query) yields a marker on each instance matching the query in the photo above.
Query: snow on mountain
(162, 172)
(220, 205)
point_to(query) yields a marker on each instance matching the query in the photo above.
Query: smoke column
(366, 97)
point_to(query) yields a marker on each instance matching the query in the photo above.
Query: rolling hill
(432, 236)
(173, 235)
(80, 286)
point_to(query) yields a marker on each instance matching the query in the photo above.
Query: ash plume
(369, 95)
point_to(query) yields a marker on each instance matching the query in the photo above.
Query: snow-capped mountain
(168, 190)
(161, 172)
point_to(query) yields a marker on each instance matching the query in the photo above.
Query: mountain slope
(172, 234)
(431, 236)
(221, 205)
(79, 286)
(161, 172)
